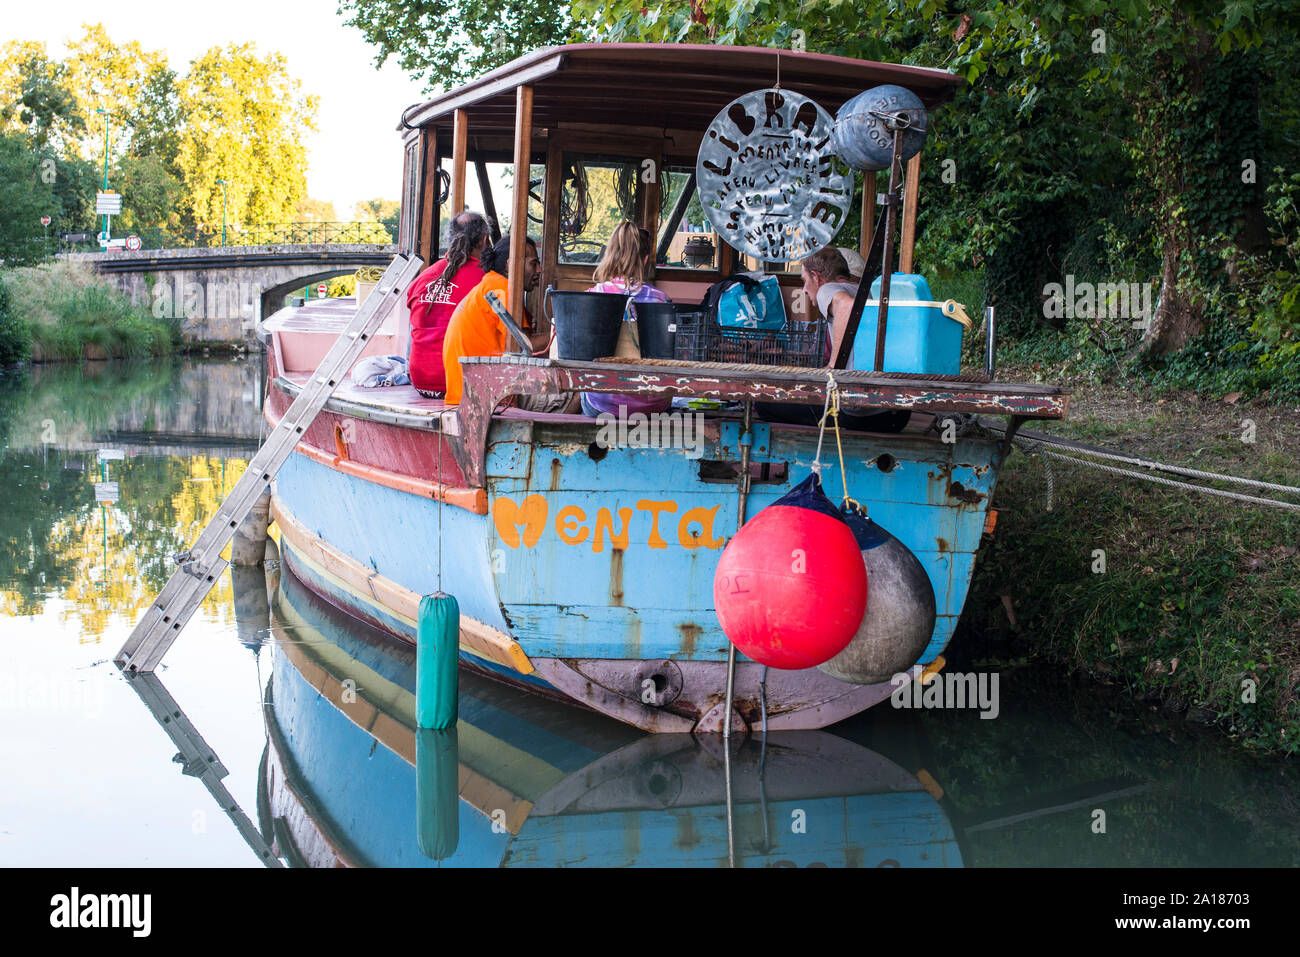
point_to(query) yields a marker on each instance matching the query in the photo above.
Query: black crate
(801, 344)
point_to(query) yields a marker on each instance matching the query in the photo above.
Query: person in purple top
(623, 269)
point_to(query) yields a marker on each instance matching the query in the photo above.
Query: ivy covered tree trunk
(1178, 318)
(1199, 144)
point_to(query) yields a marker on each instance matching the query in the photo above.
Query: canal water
(293, 725)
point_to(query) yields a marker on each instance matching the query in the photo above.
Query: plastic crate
(799, 344)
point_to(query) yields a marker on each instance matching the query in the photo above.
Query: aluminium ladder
(202, 564)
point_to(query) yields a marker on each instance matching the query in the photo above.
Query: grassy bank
(61, 311)
(1197, 605)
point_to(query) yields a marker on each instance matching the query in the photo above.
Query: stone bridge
(219, 293)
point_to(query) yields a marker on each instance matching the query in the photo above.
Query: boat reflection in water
(524, 781)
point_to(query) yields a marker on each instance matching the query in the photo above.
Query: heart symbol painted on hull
(508, 517)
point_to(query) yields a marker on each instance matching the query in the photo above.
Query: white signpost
(107, 204)
(109, 455)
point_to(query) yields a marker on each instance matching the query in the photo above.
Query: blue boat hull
(537, 784)
(598, 564)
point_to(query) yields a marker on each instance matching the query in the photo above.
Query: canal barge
(585, 572)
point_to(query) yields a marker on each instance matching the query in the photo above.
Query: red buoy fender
(791, 587)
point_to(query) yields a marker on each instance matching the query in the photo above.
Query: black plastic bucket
(587, 324)
(656, 329)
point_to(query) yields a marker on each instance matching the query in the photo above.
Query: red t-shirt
(432, 302)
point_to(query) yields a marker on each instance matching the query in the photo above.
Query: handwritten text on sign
(770, 183)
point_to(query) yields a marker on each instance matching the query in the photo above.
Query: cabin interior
(606, 132)
(609, 132)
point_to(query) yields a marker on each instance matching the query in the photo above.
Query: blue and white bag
(747, 301)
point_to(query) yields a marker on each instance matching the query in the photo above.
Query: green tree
(36, 99)
(1153, 101)
(245, 117)
(151, 193)
(158, 119)
(15, 334)
(113, 77)
(309, 210)
(386, 212)
(76, 181)
(447, 43)
(25, 197)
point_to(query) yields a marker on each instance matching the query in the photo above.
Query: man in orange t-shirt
(474, 329)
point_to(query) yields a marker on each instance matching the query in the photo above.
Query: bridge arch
(273, 299)
(220, 293)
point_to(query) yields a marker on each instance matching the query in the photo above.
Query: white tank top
(827, 292)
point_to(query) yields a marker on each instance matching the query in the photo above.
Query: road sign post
(321, 290)
(108, 204)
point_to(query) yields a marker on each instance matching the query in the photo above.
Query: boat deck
(296, 335)
(724, 382)
(405, 406)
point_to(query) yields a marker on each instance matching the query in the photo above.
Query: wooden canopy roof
(664, 84)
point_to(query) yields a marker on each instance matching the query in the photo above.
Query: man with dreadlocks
(434, 296)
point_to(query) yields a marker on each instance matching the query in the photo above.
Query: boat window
(686, 239)
(410, 197)
(598, 193)
(536, 190)
(497, 201)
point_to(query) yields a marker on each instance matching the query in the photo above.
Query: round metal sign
(769, 181)
(321, 290)
(133, 242)
(45, 220)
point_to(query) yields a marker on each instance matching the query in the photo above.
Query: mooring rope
(1128, 473)
(831, 411)
(442, 491)
(821, 432)
(1159, 466)
(1037, 446)
(1051, 481)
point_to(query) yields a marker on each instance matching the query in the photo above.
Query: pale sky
(355, 153)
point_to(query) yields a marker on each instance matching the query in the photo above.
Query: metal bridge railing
(264, 234)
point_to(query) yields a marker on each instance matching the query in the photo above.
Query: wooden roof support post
(459, 143)
(912, 189)
(430, 217)
(551, 194)
(519, 197)
(868, 214)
